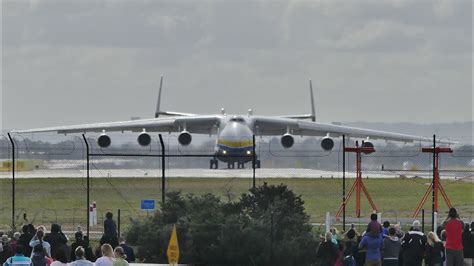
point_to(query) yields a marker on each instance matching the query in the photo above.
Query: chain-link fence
(51, 171)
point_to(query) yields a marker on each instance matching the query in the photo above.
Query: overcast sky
(70, 62)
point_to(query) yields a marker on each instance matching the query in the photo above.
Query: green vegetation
(267, 226)
(63, 200)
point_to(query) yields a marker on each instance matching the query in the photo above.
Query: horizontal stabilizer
(169, 113)
(304, 116)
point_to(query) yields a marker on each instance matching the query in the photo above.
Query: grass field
(63, 200)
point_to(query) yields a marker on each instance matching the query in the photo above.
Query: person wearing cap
(413, 246)
(454, 248)
(19, 259)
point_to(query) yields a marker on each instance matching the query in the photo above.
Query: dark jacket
(38, 260)
(391, 247)
(468, 243)
(25, 242)
(129, 252)
(327, 253)
(413, 246)
(56, 238)
(434, 254)
(110, 228)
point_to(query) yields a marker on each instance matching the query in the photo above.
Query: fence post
(162, 170)
(433, 207)
(88, 184)
(253, 161)
(328, 221)
(344, 183)
(118, 222)
(13, 180)
(423, 220)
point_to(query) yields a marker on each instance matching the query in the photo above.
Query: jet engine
(287, 141)
(144, 139)
(184, 138)
(103, 141)
(327, 143)
(367, 144)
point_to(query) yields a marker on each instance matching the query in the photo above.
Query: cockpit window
(237, 119)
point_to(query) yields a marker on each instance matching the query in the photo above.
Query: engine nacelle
(185, 138)
(104, 141)
(367, 144)
(327, 143)
(144, 139)
(287, 141)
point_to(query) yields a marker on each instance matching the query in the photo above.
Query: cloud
(256, 54)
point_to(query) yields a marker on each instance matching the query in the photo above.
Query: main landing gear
(214, 164)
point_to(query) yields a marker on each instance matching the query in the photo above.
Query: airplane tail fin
(311, 116)
(313, 110)
(157, 112)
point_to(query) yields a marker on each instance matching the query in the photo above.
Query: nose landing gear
(213, 164)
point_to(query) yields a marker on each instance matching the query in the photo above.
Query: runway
(219, 173)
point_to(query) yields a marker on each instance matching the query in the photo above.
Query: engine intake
(327, 143)
(103, 141)
(144, 139)
(185, 138)
(367, 144)
(287, 141)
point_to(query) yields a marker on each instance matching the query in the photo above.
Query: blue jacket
(18, 260)
(373, 244)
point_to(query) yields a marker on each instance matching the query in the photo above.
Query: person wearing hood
(56, 238)
(25, 238)
(391, 248)
(372, 242)
(413, 246)
(434, 255)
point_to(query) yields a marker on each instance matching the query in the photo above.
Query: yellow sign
(173, 248)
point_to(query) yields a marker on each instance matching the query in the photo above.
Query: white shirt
(58, 263)
(81, 262)
(104, 261)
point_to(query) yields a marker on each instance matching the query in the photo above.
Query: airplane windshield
(237, 119)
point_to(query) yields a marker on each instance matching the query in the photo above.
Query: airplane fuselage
(234, 141)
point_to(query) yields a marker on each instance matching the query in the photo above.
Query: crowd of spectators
(37, 247)
(389, 245)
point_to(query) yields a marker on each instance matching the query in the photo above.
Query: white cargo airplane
(234, 132)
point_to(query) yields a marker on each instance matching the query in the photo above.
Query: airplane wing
(279, 126)
(194, 124)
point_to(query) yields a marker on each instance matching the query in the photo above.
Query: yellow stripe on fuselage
(235, 143)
